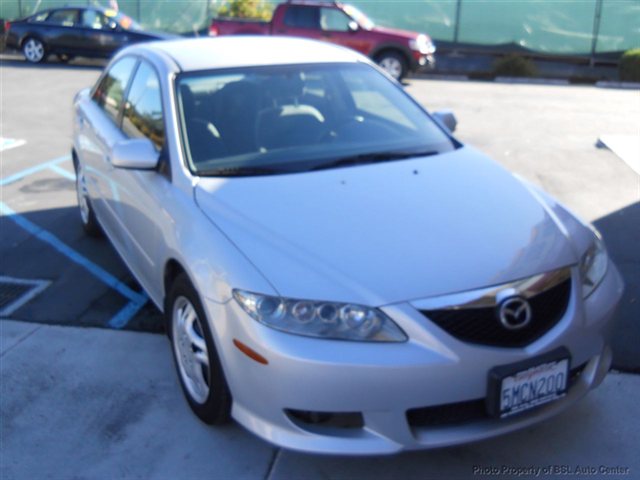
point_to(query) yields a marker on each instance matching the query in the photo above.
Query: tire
(393, 63)
(34, 50)
(204, 387)
(88, 218)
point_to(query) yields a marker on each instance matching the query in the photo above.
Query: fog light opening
(343, 420)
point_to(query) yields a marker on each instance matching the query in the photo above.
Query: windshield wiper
(241, 172)
(373, 158)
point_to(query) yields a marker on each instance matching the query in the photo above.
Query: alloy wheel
(33, 50)
(190, 349)
(392, 66)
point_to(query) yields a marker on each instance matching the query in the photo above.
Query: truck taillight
(213, 31)
(7, 26)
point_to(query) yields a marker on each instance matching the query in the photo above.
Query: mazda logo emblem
(514, 313)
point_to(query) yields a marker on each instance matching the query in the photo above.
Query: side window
(65, 18)
(95, 20)
(143, 115)
(302, 17)
(39, 17)
(333, 19)
(109, 93)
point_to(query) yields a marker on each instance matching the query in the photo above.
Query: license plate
(519, 387)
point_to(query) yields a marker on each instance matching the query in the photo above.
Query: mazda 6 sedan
(338, 273)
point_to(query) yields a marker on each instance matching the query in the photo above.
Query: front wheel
(199, 370)
(34, 50)
(393, 63)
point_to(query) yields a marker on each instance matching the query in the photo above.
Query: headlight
(422, 44)
(310, 318)
(593, 266)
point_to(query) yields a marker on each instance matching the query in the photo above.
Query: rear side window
(95, 20)
(143, 115)
(302, 17)
(65, 18)
(39, 17)
(110, 91)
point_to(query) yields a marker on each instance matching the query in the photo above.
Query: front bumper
(382, 382)
(422, 62)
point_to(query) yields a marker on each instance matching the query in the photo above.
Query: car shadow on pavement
(49, 245)
(621, 233)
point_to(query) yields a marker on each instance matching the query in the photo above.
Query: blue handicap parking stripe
(71, 254)
(122, 318)
(63, 172)
(136, 300)
(30, 171)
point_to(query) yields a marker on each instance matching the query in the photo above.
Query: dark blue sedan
(75, 31)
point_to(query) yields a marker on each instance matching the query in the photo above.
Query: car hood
(384, 233)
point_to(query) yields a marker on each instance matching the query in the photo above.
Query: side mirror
(353, 26)
(447, 119)
(114, 26)
(137, 153)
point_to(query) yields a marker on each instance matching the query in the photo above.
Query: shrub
(629, 66)
(514, 66)
(257, 9)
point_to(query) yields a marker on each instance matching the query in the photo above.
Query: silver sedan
(338, 273)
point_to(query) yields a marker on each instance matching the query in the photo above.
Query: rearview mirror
(136, 153)
(447, 119)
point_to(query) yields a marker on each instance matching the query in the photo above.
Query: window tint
(65, 18)
(302, 17)
(333, 19)
(93, 19)
(370, 98)
(298, 117)
(40, 17)
(110, 91)
(143, 109)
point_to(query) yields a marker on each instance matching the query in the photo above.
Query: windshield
(293, 118)
(362, 20)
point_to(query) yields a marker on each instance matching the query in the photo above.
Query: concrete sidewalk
(91, 403)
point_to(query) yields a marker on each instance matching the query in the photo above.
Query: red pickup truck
(397, 51)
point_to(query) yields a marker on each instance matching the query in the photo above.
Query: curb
(619, 85)
(532, 81)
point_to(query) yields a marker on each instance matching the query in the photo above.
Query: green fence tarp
(564, 27)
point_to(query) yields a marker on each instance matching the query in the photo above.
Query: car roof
(193, 54)
(67, 7)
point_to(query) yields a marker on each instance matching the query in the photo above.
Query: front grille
(452, 414)
(482, 326)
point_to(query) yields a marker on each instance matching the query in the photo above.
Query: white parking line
(626, 147)
(37, 286)
(8, 143)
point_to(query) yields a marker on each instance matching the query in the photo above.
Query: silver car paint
(396, 231)
(226, 241)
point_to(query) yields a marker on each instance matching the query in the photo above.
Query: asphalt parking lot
(546, 134)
